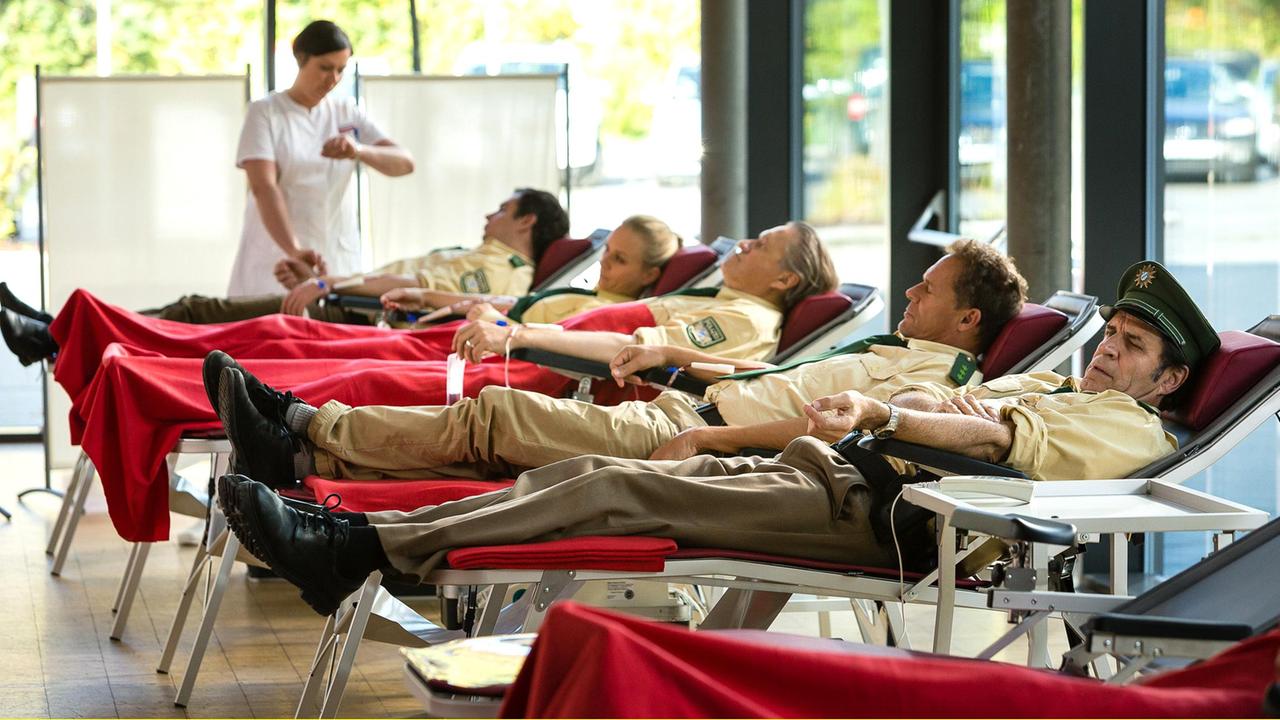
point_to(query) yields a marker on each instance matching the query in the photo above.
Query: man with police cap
(808, 502)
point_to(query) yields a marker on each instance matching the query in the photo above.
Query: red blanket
(592, 663)
(139, 403)
(86, 326)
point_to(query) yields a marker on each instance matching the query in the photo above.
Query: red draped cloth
(588, 662)
(138, 403)
(86, 326)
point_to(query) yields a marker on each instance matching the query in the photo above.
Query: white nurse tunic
(318, 192)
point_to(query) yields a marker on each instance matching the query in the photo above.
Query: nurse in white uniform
(299, 149)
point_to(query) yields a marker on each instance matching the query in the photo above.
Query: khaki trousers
(497, 434)
(808, 502)
(201, 310)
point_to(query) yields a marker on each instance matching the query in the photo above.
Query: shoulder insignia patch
(705, 332)
(516, 262)
(474, 281)
(962, 369)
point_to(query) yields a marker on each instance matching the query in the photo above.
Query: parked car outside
(1209, 124)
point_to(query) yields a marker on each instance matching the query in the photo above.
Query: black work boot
(229, 490)
(28, 339)
(264, 447)
(304, 548)
(266, 399)
(9, 301)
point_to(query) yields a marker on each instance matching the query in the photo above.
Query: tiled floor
(57, 661)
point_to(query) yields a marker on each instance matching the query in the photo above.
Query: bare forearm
(684, 357)
(390, 160)
(590, 345)
(773, 435)
(969, 436)
(275, 217)
(914, 401)
(376, 285)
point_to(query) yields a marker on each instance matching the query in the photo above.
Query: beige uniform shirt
(492, 268)
(1063, 433)
(879, 372)
(558, 307)
(732, 324)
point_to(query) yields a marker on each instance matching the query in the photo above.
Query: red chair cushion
(1019, 337)
(1226, 375)
(627, 554)
(404, 495)
(684, 266)
(810, 314)
(556, 256)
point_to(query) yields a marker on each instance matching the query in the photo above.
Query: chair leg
(73, 518)
(184, 607)
(324, 651)
(129, 588)
(68, 500)
(5, 513)
(212, 604)
(350, 646)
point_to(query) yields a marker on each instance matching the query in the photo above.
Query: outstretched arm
(634, 359)
(835, 416)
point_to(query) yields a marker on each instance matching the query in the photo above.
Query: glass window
(981, 151)
(1222, 206)
(845, 161)
(635, 123)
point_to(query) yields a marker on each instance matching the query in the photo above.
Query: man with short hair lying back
(955, 312)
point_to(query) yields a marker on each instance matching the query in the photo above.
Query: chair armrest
(1168, 627)
(354, 302)
(681, 381)
(1010, 526)
(559, 361)
(952, 463)
(599, 370)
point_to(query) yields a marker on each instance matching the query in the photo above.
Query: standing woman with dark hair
(299, 148)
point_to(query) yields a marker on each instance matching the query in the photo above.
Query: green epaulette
(856, 346)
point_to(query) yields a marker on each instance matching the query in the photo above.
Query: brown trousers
(808, 502)
(497, 434)
(201, 310)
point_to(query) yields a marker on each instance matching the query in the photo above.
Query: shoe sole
(229, 499)
(323, 603)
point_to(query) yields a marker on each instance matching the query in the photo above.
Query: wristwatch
(887, 430)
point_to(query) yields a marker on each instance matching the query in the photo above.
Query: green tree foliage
(57, 35)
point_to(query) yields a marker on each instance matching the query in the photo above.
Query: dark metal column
(1039, 122)
(1123, 139)
(269, 43)
(417, 40)
(724, 118)
(921, 50)
(775, 112)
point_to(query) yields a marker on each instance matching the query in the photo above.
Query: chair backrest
(1234, 390)
(1024, 348)
(686, 267)
(820, 315)
(1020, 338)
(565, 258)
(722, 247)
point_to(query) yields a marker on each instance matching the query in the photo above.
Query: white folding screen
(142, 199)
(474, 140)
